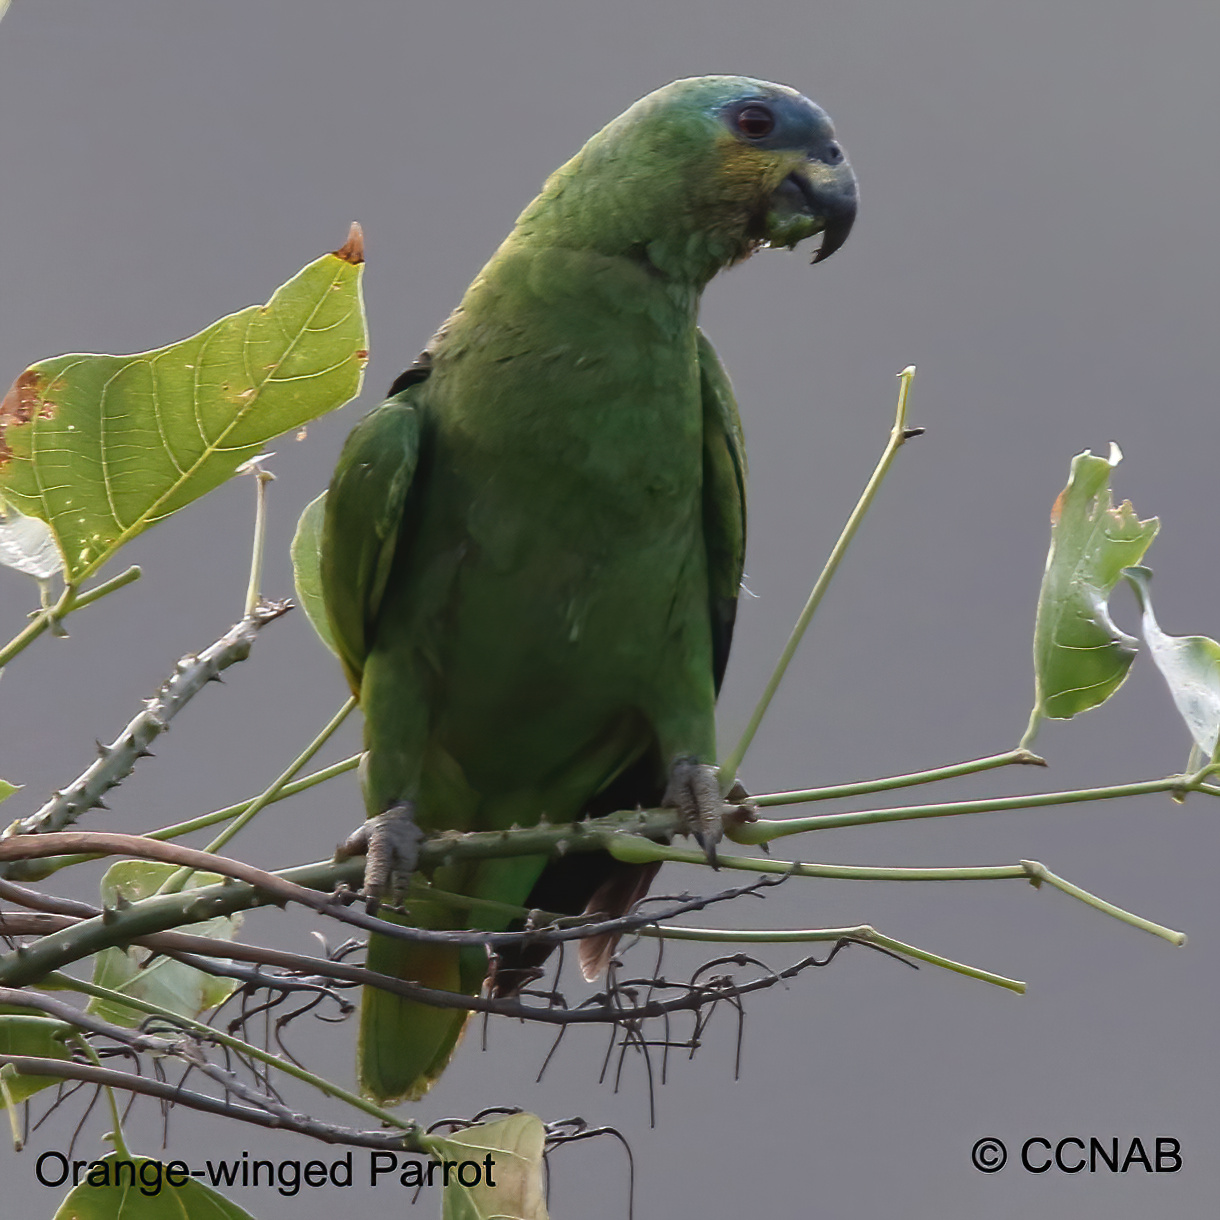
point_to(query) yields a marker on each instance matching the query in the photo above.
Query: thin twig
(175, 883)
(839, 791)
(31, 1065)
(765, 830)
(851, 872)
(899, 434)
(69, 601)
(206, 1032)
(261, 479)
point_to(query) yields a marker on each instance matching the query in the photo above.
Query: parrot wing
(365, 507)
(724, 501)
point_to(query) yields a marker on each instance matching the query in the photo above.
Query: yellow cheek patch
(754, 172)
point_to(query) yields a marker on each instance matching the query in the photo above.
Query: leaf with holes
(150, 976)
(1080, 655)
(1190, 664)
(102, 447)
(508, 1157)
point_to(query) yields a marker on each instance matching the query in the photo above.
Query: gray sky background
(1037, 234)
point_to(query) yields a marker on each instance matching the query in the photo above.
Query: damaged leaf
(1190, 665)
(142, 974)
(102, 447)
(27, 544)
(508, 1151)
(1080, 655)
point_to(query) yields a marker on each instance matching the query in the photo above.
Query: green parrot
(532, 550)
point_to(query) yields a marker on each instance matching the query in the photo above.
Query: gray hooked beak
(829, 195)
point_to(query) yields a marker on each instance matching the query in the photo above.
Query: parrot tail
(587, 883)
(404, 1045)
(611, 900)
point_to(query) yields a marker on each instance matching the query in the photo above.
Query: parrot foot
(694, 791)
(390, 842)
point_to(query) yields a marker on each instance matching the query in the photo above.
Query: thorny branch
(117, 760)
(112, 926)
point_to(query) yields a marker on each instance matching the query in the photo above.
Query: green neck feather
(651, 187)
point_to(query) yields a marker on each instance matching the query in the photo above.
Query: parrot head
(778, 149)
(702, 172)
(780, 130)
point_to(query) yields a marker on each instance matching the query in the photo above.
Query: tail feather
(404, 1046)
(612, 899)
(589, 883)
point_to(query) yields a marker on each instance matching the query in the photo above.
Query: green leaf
(7, 789)
(157, 979)
(1080, 656)
(119, 1187)
(23, 1034)
(515, 1146)
(307, 569)
(102, 447)
(1190, 664)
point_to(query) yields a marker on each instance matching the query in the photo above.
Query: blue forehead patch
(799, 123)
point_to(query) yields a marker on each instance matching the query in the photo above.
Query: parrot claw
(390, 842)
(694, 791)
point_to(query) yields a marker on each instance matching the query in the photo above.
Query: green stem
(506, 910)
(897, 946)
(68, 602)
(277, 786)
(627, 836)
(7, 1071)
(246, 1048)
(638, 851)
(909, 780)
(120, 1144)
(177, 880)
(1039, 873)
(1197, 778)
(764, 830)
(262, 478)
(864, 932)
(231, 811)
(898, 435)
(1031, 729)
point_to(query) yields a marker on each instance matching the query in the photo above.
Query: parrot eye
(755, 122)
(834, 154)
